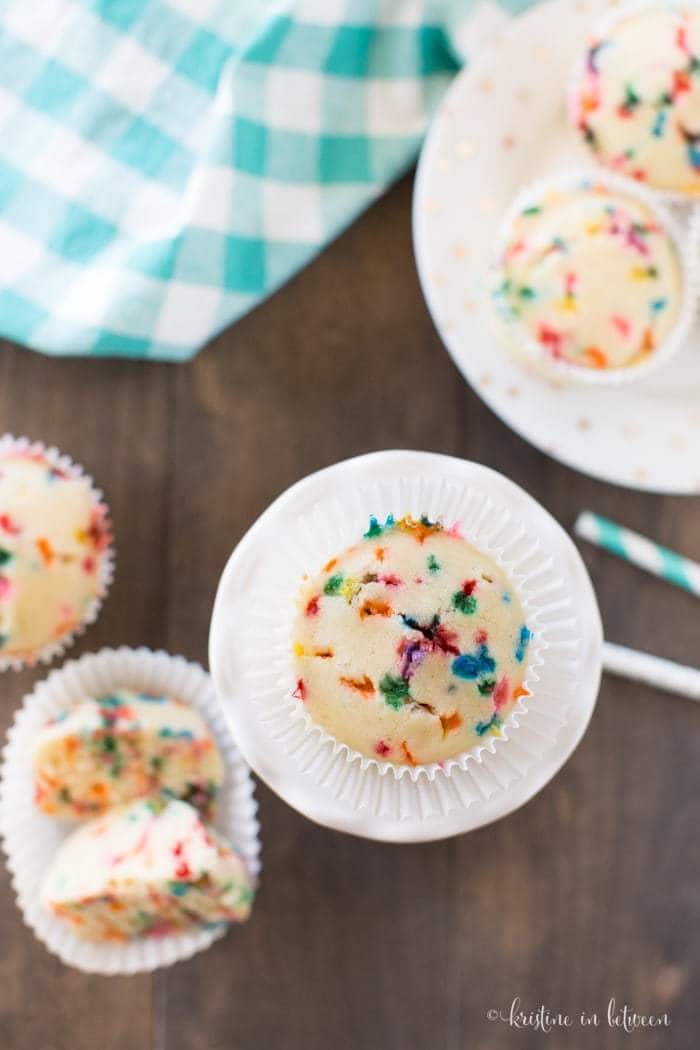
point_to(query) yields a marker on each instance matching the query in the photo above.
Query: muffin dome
(590, 277)
(411, 646)
(53, 538)
(636, 101)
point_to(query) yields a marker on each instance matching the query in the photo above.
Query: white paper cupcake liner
(54, 649)
(30, 838)
(515, 334)
(251, 640)
(599, 29)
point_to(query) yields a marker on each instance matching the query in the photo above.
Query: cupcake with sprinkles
(121, 746)
(592, 279)
(635, 96)
(127, 813)
(411, 646)
(55, 552)
(414, 649)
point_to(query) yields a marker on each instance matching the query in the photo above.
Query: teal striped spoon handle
(639, 550)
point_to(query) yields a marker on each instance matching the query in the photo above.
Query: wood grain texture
(590, 891)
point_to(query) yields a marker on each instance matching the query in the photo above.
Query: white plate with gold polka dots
(502, 125)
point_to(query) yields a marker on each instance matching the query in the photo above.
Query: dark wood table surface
(591, 891)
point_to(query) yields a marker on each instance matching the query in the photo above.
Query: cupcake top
(146, 868)
(119, 747)
(53, 538)
(590, 276)
(411, 646)
(637, 100)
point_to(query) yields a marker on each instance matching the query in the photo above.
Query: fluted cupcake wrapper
(251, 640)
(54, 649)
(30, 838)
(684, 239)
(683, 203)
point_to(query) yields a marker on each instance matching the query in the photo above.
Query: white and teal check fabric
(165, 164)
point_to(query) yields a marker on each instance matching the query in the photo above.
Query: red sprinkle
(182, 871)
(390, 579)
(382, 748)
(481, 637)
(468, 587)
(312, 606)
(300, 691)
(500, 693)
(7, 525)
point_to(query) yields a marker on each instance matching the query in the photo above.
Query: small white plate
(503, 124)
(255, 600)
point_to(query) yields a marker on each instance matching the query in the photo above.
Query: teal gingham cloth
(166, 164)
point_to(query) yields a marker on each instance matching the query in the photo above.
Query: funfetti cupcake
(405, 646)
(120, 746)
(593, 279)
(146, 869)
(153, 872)
(635, 96)
(55, 552)
(411, 645)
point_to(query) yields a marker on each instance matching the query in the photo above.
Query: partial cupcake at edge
(55, 552)
(411, 646)
(141, 774)
(635, 96)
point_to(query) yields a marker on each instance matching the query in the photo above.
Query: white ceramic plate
(503, 124)
(255, 604)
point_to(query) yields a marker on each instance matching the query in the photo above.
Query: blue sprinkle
(152, 699)
(506, 598)
(473, 665)
(171, 734)
(659, 124)
(178, 889)
(523, 642)
(658, 304)
(481, 728)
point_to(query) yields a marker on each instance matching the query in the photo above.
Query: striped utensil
(639, 550)
(661, 562)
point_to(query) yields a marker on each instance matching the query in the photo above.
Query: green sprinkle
(333, 585)
(375, 529)
(178, 889)
(487, 686)
(64, 795)
(110, 701)
(394, 690)
(534, 209)
(5, 556)
(525, 292)
(157, 763)
(464, 603)
(632, 99)
(482, 728)
(433, 564)
(108, 743)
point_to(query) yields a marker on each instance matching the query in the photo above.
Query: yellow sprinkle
(299, 649)
(568, 305)
(639, 273)
(350, 586)
(594, 227)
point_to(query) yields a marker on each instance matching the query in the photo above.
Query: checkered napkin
(166, 164)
